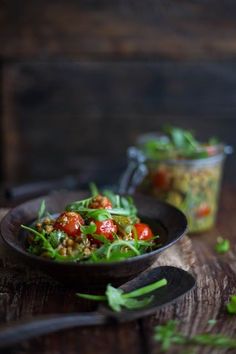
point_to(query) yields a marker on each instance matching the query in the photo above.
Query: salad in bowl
(102, 228)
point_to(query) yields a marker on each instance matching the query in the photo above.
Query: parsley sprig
(168, 335)
(118, 299)
(222, 245)
(231, 306)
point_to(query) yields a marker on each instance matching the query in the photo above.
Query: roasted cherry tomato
(203, 210)
(106, 228)
(100, 202)
(161, 180)
(211, 150)
(69, 222)
(143, 231)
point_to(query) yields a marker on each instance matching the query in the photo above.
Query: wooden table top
(27, 292)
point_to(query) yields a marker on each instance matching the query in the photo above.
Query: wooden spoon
(179, 282)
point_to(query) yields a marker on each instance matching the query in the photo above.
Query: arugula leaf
(231, 306)
(93, 189)
(92, 297)
(42, 210)
(222, 245)
(133, 304)
(147, 289)
(119, 243)
(116, 298)
(167, 335)
(112, 197)
(99, 214)
(77, 205)
(214, 340)
(55, 237)
(47, 247)
(88, 229)
(175, 143)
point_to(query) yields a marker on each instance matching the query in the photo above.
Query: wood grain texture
(120, 29)
(27, 292)
(57, 114)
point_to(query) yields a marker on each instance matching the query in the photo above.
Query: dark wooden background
(81, 79)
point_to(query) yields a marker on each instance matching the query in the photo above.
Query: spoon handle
(26, 329)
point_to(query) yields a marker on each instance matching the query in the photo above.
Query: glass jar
(192, 185)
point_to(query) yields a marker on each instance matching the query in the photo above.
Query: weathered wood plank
(118, 29)
(63, 112)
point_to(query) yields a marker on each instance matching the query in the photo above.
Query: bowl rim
(41, 260)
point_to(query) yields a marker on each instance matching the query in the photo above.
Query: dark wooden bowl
(167, 221)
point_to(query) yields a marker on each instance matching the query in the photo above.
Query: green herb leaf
(168, 335)
(231, 306)
(77, 205)
(56, 237)
(147, 289)
(42, 210)
(88, 229)
(212, 322)
(114, 298)
(93, 189)
(222, 245)
(133, 304)
(121, 243)
(99, 214)
(92, 297)
(46, 245)
(117, 299)
(214, 340)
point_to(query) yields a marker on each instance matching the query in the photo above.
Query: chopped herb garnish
(231, 306)
(222, 245)
(168, 335)
(212, 322)
(116, 298)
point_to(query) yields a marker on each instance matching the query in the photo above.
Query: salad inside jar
(102, 228)
(185, 173)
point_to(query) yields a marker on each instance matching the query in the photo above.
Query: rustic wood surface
(25, 292)
(121, 29)
(57, 114)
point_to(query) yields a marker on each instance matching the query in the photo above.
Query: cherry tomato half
(106, 228)
(143, 231)
(100, 202)
(203, 210)
(69, 222)
(161, 180)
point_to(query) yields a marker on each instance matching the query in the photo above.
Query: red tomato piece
(106, 228)
(211, 150)
(161, 180)
(70, 223)
(203, 210)
(143, 231)
(100, 202)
